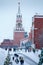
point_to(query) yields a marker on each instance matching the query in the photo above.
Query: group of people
(19, 59)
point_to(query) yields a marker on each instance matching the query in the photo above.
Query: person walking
(21, 61)
(17, 60)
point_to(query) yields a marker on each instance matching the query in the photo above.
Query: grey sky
(8, 11)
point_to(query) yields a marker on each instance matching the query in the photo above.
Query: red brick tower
(37, 32)
(18, 31)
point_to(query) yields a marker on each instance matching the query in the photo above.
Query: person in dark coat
(13, 58)
(21, 60)
(16, 55)
(17, 60)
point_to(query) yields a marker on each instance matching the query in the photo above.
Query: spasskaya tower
(19, 30)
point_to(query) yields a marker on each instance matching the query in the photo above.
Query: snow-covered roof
(38, 16)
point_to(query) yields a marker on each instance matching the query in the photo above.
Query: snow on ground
(33, 56)
(14, 63)
(3, 55)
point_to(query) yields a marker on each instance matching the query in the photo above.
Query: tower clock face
(19, 24)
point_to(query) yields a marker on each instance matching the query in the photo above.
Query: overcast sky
(8, 12)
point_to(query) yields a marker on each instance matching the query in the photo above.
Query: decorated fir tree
(7, 61)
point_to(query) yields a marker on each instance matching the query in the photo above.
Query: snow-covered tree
(41, 58)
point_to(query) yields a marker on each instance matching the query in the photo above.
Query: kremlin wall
(19, 35)
(36, 33)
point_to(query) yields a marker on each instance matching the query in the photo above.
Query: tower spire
(18, 7)
(19, 20)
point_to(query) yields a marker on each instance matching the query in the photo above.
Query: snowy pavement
(3, 55)
(31, 55)
(14, 63)
(26, 55)
(28, 60)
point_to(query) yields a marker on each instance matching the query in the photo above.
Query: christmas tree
(7, 61)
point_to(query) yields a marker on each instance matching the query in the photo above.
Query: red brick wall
(17, 37)
(38, 23)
